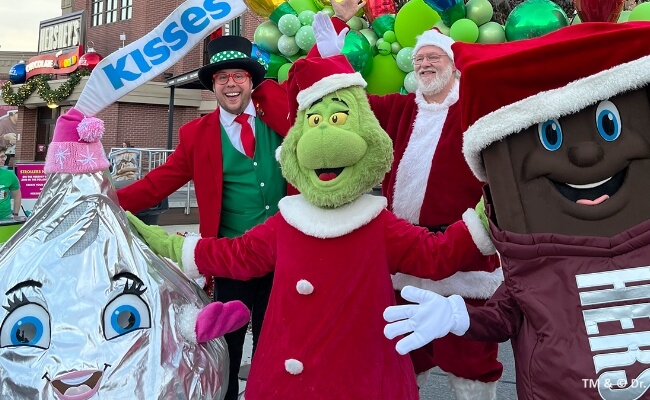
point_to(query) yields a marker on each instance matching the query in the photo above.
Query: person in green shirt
(9, 188)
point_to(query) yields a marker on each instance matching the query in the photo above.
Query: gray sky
(19, 21)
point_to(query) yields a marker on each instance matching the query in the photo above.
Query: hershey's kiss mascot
(88, 311)
(333, 249)
(561, 136)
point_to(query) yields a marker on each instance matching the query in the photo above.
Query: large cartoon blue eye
(27, 325)
(124, 314)
(550, 134)
(608, 121)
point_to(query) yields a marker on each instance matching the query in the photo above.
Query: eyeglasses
(221, 78)
(431, 57)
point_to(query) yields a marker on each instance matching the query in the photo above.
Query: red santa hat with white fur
(433, 37)
(545, 78)
(313, 77)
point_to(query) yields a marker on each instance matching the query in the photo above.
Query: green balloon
(275, 62)
(266, 36)
(403, 59)
(383, 48)
(491, 32)
(576, 19)
(640, 13)
(305, 37)
(302, 5)
(412, 20)
(395, 47)
(479, 11)
(534, 18)
(383, 23)
(287, 45)
(464, 30)
(357, 50)
(440, 25)
(328, 10)
(385, 76)
(389, 36)
(283, 72)
(410, 83)
(306, 17)
(289, 24)
(624, 17)
(370, 35)
(355, 23)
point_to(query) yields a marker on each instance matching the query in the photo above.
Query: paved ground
(436, 387)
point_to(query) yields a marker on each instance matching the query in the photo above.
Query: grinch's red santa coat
(431, 185)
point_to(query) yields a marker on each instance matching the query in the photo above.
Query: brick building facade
(141, 117)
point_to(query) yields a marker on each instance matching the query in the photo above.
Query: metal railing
(149, 158)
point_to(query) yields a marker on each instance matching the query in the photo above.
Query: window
(127, 9)
(97, 13)
(111, 11)
(107, 11)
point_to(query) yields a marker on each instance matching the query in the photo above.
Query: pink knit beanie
(75, 147)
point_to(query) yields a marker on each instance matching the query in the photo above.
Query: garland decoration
(41, 86)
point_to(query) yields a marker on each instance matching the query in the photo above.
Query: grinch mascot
(333, 249)
(561, 136)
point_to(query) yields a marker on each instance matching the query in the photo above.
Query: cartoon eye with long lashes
(27, 324)
(608, 121)
(125, 313)
(550, 134)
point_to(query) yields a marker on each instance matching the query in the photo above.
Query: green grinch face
(336, 151)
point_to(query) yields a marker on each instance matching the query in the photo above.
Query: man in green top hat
(230, 155)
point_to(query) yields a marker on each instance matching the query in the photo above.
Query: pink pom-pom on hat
(76, 146)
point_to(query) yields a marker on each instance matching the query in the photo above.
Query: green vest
(252, 188)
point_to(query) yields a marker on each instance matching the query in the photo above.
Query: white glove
(433, 317)
(327, 41)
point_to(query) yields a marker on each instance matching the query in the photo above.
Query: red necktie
(247, 137)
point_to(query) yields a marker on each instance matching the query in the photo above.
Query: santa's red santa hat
(509, 87)
(433, 37)
(313, 77)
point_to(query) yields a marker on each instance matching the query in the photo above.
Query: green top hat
(231, 52)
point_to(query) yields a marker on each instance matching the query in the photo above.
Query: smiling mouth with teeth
(328, 174)
(78, 385)
(593, 193)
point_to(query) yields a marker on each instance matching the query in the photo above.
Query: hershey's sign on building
(61, 33)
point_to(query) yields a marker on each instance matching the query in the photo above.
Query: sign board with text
(32, 179)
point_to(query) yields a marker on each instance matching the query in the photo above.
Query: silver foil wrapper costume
(90, 312)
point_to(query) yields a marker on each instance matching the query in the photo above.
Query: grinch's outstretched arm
(248, 256)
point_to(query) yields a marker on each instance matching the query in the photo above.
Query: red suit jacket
(198, 157)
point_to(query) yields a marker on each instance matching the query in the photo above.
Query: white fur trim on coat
(188, 315)
(330, 223)
(470, 285)
(465, 389)
(412, 177)
(187, 256)
(327, 85)
(554, 103)
(479, 233)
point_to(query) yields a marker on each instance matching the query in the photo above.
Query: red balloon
(375, 8)
(599, 10)
(90, 59)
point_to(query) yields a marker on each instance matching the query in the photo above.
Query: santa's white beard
(434, 85)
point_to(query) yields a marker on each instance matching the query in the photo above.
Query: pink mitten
(218, 318)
